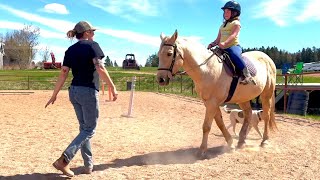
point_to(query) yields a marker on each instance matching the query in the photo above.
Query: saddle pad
(248, 62)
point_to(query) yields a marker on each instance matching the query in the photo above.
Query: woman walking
(85, 60)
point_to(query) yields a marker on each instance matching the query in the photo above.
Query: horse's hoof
(265, 144)
(231, 146)
(202, 154)
(231, 149)
(241, 145)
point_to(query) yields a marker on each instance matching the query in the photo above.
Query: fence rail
(294, 82)
(179, 85)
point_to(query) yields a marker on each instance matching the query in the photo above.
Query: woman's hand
(51, 101)
(114, 94)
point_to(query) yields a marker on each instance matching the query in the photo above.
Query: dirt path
(159, 142)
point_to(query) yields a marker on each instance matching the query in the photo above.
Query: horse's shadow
(180, 156)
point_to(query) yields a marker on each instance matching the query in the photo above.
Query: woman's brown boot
(61, 165)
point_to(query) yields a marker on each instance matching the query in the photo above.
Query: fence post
(139, 83)
(28, 83)
(181, 83)
(153, 83)
(192, 88)
(285, 94)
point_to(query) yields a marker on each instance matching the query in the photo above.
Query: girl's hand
(222, 45)
(211, 45)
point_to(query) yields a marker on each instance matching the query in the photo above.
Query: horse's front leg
(206, 127)
(213, 111)
(247, 112)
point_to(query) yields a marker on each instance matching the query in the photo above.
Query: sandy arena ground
(159, 142)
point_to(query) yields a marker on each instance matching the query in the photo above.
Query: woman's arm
(61, 79)
(104, 75)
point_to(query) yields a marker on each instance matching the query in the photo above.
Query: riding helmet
(233, 6)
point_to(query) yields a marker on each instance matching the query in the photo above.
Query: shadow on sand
(181, 156)
(34, 176)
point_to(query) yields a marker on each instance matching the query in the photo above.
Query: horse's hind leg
(247, 111)
(267, 99)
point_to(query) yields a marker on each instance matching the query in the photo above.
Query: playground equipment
(130, 62)
(53, 64)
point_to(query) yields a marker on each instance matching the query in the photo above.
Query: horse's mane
(195, 47)
(191, 43)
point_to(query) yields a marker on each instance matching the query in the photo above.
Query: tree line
(279, 57)
(20, 50)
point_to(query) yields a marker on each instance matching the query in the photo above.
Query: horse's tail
(272, 121)
(226, 110)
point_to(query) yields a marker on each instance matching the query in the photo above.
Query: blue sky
(134, 26)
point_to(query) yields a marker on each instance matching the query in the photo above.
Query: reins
(174, 60)
(203, 63)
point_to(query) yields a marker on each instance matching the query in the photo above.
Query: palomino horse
(212, 84)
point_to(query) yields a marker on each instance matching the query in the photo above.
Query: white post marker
(131, 98)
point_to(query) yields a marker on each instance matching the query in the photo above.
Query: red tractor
(53, 64)
(130, 62)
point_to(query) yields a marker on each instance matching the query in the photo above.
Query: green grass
(142, 69)
(306, 79)
(313, 117)
(45, 79)
(308, 116)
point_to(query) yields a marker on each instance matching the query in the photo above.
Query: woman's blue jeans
(85, 101)
(235, 55)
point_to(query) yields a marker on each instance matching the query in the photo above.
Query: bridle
(173, 58)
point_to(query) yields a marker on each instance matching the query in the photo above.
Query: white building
(312, 66)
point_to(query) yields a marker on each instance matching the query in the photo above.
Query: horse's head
(170, 58)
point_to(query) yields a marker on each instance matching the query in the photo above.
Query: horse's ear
(175, 35)
(162, 36)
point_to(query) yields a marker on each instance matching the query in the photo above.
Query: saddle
(229, 65)
(232, 70)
